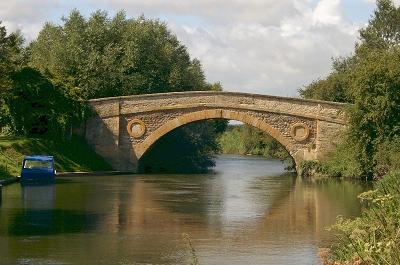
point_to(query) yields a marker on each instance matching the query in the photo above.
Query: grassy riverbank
(74, 155)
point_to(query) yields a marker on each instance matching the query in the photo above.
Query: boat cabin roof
(39, 158)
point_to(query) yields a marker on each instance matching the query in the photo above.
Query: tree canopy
(105, 57)
(10, 60)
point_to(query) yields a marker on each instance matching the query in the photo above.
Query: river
(248, 211)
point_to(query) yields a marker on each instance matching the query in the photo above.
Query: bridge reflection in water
(237, 215)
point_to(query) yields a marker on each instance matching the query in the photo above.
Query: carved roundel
(136, 128)
(300, 132)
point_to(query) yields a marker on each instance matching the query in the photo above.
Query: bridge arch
(187, 118)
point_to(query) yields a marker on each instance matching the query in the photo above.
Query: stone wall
(124, 128)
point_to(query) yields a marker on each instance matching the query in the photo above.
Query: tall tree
(106, 57)
(383, 30)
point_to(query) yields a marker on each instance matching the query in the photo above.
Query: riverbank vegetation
(369, 79)
(248, 140)
(374, 237)
(44, 85)
(72, 156)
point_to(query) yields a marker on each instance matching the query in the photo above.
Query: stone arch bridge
(124, 128)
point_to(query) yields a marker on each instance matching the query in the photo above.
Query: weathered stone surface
(307, 128)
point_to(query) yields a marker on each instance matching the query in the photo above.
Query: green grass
(74, 155)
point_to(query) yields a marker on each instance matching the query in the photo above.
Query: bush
(387, 157)
(311, 168)
(342, 162)
(374, 237)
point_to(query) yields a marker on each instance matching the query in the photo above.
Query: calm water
(247, 212)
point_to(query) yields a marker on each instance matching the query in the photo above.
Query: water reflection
(38, 197)
(245, 212)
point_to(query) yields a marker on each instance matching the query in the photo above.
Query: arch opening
(190, 119)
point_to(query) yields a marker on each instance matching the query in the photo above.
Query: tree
(375, 115)
(370, 79)
(383, 29)
(36, 106)
(108, 57)
(10, 60)
(113, 57)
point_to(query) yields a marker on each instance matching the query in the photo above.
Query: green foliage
(343, 162)
(10, 59)
(36, 106)
(333, 88)
(375, 115)
(106, 57)
(71, 156)
(10, 56)
(312, 168)
(245, 139)
(372, 238)
(370, 79)
(383, 29)
(387, 157)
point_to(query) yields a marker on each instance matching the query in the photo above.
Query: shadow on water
(51, 222)
(40, 217)
(65, 181)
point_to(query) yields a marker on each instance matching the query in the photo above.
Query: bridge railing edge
(222, 93)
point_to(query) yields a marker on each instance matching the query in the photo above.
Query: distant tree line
(44, 85)
(370, 80)
(248, 140)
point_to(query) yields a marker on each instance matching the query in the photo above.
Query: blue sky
(256, 46)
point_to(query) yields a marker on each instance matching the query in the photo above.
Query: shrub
(373, 238)
(387, 157)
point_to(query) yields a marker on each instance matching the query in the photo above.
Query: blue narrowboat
(37, 170)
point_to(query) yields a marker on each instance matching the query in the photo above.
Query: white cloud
(327, 12)
(273, 58)
(27, 16)
(256, 46)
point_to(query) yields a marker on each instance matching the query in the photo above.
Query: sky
(269, 47)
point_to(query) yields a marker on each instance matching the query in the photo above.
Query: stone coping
(217, 93)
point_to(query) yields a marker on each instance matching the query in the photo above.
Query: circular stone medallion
(136, 128)
(300, 132)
